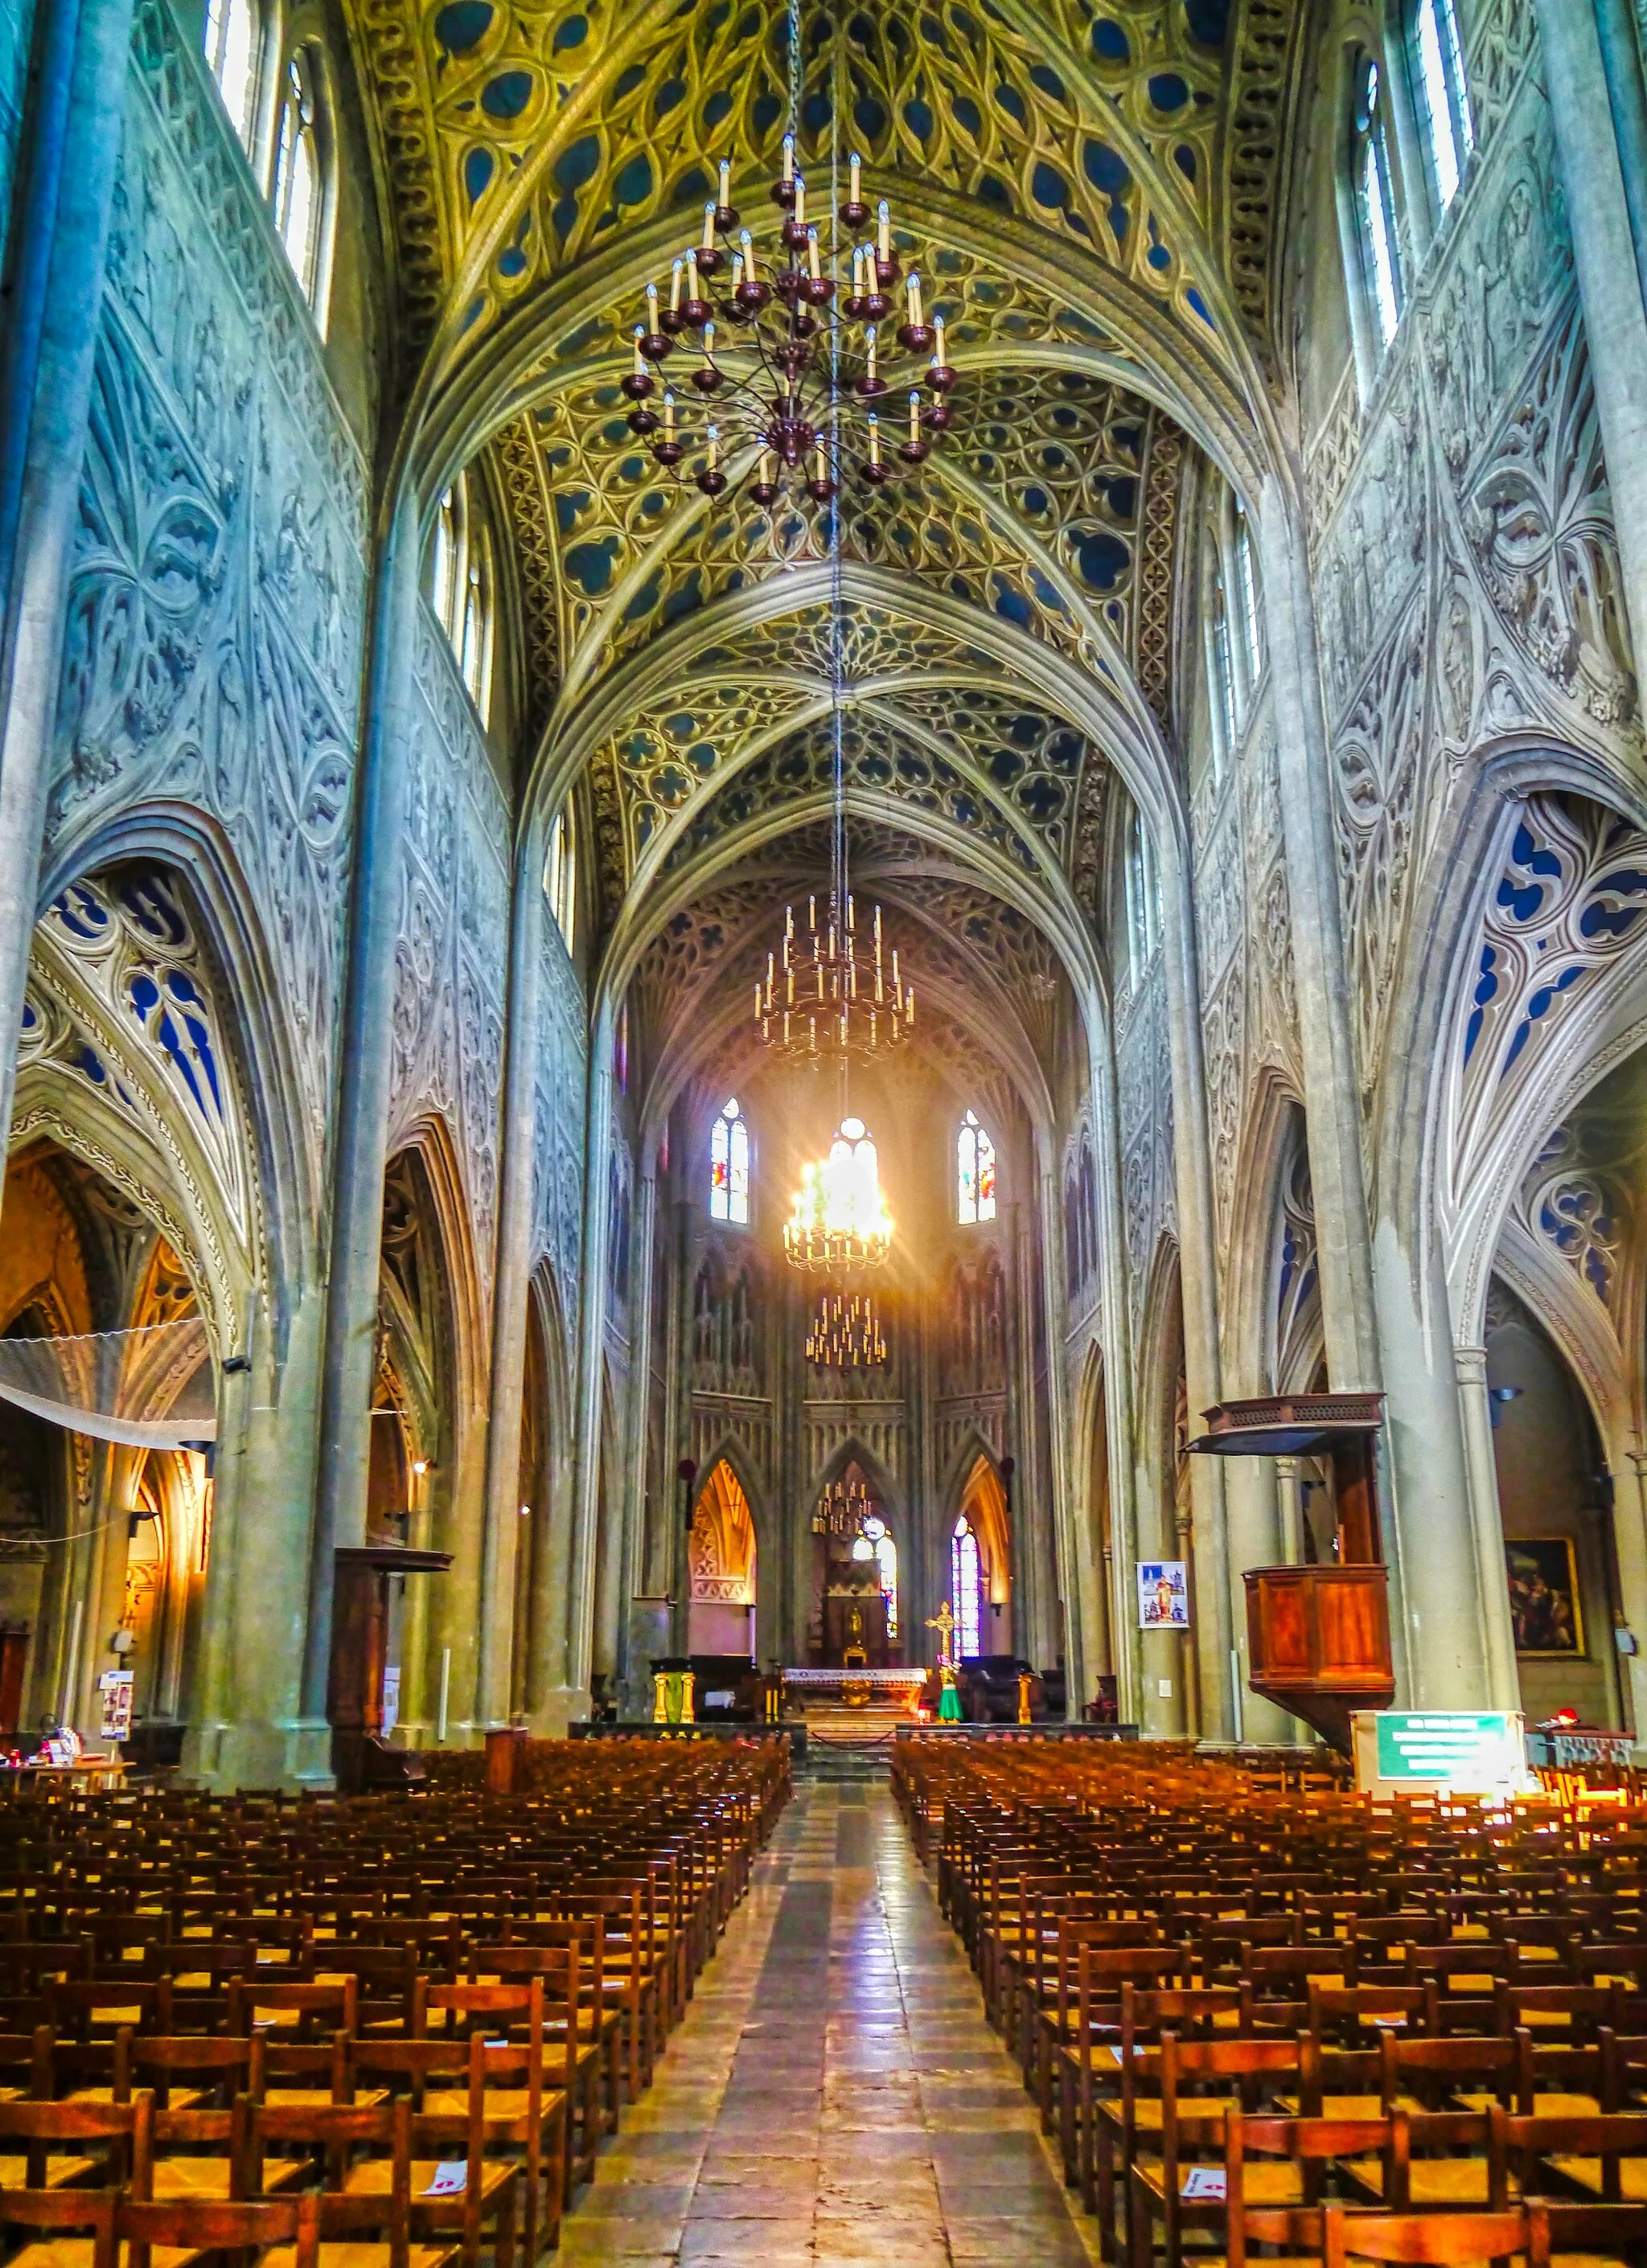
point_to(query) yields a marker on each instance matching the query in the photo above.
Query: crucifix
(943, 1623)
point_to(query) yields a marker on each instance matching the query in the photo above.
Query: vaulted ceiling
(1089, 188)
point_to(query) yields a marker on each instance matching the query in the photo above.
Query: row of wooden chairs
(440, 2044)
(1235, 2001)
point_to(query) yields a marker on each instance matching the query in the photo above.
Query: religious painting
(1164, 1594)
(1544, 1610)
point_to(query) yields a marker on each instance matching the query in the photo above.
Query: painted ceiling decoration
(1091, 188)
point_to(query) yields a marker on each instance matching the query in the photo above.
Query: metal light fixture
(825, 993)
(840, 1220)
(846, 1332)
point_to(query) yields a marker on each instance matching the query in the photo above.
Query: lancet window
(975, 1173)
(1442, 97)
(729, 1167)
(963, 1581)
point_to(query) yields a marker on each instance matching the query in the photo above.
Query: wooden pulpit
(13, 1662)
(1317, 1638)
(361, 1757)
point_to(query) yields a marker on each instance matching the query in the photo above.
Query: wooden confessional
(361, 1757)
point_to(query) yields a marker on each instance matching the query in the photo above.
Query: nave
(834, 2096)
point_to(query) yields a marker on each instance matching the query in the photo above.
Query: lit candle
(769, 474)
(883, 225)
(748, 250)
(709, 340)
(915, 418)
(789, 157)
(812, 253)
(674, 289)
(709, 227)
(737, 272)
(874, 440)
(913, 293)
(800, 202)
(640, 360)
(869, 350)
(692, 275)
(714, 448)
(854, 166)
(937, 351)
(822, 476)
(651, 309)
(668, 416)
(726, 183)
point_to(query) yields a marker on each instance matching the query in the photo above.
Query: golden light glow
(840, 1218)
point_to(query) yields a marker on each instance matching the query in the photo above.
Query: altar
(896, 1687)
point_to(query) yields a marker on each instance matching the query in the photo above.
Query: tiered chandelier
(787, 359)
(841, 1221)
(826, 995)
(845, 1333)
(843, 1508)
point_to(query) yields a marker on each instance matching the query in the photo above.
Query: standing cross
(943, 1623)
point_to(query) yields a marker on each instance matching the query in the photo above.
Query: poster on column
(1164, 1594)
(115, 1686)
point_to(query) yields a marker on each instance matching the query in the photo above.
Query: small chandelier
(759, 370)
(843, 1508)
(846, 1332)
(840, 1220)
(826, 995)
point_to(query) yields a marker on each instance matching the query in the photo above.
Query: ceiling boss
(790, 369)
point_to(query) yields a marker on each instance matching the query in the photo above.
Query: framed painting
(1545, 1612)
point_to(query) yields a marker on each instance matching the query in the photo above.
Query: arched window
(1247, 607)
(1444, 98)
(729, 1167)
(974, 1173)
(964, 1582)
(560, 874)
(302, 156)
(875, 1542)
(461, 590)
(1375, 199)
(1218, 662)
(232, 44)
(1143, 894)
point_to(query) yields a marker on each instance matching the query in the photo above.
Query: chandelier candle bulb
(870, 348)
(640, 360)
(801, 203)
(709, 228)
(937, 351)
(911, 292)
(675, 287)
(915, 416)
(855, 175)
(789, 157)
(668, 416)
(884, 231)
(812, 255)
(692, 274)
(714, 447)
(725, 184)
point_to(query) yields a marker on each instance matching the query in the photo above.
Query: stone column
(510, 1293)
(1592, 72)
(585, 1501)
(1503, 1687)
(1115, 1323)
(1307, 803)
(360, 1135)
(1211, 1707)
(637, 1626)
(48, 355)
(1630, 1530)
(1075, 1555)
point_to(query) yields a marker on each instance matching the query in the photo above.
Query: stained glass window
(560, 874)
(1380, 257)
(963, 1581)
(975, 1173)
(297, 177)
(1446, 98)
(232, 54)
(886, 1558)
(729, 1167)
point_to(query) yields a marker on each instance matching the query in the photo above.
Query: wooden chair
(487, 2199)
(154, 2234)
(369, 2225)
(1436, 2239)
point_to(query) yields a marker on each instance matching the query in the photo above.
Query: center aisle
(834, 2096)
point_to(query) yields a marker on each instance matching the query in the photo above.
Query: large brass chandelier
(841, 1221)
(845, 1333)
(827, 993)
(842, 1509)
(791, 369)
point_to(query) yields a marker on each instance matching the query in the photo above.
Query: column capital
(1470, 1364)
